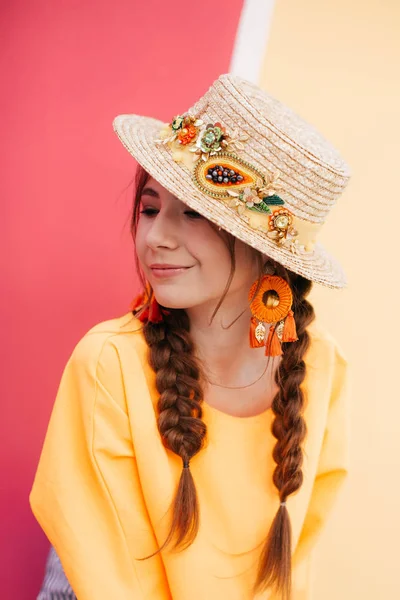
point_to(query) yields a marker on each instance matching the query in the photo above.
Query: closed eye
(152, 211)
(148, 211)
(193, 214)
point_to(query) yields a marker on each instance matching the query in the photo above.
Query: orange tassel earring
(271, 304)
(273, 346)
(289, 329)
(257, 333)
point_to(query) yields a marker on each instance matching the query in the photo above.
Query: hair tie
(186, 464)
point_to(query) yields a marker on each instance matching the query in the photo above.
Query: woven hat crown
(312, 171)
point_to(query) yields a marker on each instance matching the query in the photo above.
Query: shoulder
(327, 366)
(97, 351)
(124, 324)
(325, 342)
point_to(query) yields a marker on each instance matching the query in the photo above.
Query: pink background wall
(69, 67)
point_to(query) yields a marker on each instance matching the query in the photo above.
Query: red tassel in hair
(273, 346)
(138, 301)
(151, 313)
(155, 315)
(289, 330)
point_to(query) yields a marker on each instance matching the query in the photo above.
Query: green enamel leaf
(261, 207)
(273, 200)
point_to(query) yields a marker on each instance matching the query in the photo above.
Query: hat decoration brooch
(210, 152)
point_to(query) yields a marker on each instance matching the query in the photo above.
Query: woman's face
(183, 256)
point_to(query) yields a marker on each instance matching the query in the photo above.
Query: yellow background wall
(337, 63)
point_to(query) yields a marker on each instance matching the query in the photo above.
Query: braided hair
(179, 380)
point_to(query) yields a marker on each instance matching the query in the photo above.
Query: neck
(225, 351)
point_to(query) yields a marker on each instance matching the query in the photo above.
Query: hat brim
(138, 134)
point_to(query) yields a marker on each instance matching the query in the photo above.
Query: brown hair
(179, 382)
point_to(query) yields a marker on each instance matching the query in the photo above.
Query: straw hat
(248, 163)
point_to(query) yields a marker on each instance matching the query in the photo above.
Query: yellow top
(105, 481)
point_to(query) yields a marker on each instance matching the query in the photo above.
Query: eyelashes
(193, 214)
(153, 211)
(148, 211)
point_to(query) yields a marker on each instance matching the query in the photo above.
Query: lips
(166, 270)
(167, 266)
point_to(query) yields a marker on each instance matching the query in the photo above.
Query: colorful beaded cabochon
(211, 154)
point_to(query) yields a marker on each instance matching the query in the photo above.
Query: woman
(198, 443)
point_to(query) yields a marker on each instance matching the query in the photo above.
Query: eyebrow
(149, 191)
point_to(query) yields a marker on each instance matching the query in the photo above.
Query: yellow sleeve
(332, 472)
(86, 494)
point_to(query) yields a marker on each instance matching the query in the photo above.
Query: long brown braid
(179, 382)
(171, 356)
(289, 428)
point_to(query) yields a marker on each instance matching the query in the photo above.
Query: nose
(163, 233)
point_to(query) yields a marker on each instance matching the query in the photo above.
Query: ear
(269, 267)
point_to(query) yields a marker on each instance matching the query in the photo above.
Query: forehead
(156, 190)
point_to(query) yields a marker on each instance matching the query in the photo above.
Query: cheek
(140, 241)
(247, 269)
(214, 262)
(209, 249)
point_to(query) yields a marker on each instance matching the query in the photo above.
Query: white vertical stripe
(251, 39)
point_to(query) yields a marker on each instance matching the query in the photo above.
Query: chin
(171, 299)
